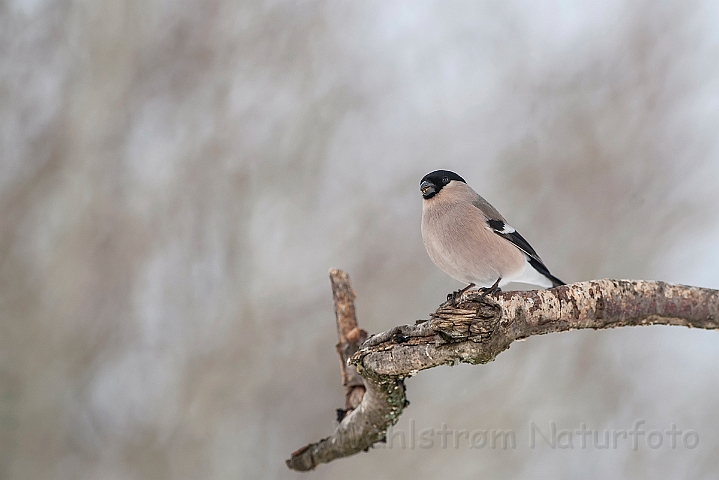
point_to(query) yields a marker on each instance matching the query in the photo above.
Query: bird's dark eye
(445, 180)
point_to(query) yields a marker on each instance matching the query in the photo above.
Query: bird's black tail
(555, 281)
(539, 266)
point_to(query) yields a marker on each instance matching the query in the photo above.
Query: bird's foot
(454, 296)
(491, 290)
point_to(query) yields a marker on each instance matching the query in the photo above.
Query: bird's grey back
(462, 191)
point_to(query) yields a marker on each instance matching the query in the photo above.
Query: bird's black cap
(433, 182)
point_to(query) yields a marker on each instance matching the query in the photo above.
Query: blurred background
(177, 178)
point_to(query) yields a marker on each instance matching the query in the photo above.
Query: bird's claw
(491, 290)
(454, 296)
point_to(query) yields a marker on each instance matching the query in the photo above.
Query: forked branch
(475, 330)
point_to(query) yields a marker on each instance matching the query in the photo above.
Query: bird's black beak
(427, 188)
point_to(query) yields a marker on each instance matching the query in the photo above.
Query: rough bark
(478, 328)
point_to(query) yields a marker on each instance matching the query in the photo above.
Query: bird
(470, 240)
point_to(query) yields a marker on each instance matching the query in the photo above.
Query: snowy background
(176, 179)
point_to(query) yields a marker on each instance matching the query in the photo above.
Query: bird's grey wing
(499, 225)
(505, 231)
(486, 208)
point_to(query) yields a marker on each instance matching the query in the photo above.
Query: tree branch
(350, 338)
(478, 328)
(371, 406)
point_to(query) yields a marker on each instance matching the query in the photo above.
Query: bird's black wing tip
(541, 268)
(505, 231)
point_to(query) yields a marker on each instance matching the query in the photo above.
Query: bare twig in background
(350, 339)
(477, 329)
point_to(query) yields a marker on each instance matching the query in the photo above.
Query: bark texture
(477, 328)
